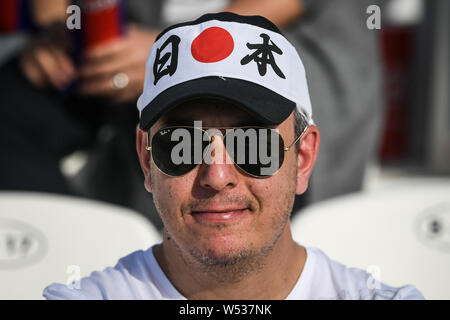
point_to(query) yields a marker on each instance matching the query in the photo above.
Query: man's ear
(306, 157)
(144, 156)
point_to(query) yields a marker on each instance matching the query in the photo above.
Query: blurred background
(72, 198)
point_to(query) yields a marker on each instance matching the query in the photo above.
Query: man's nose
(218, 172)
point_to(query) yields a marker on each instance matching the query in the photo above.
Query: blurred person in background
(39, 126)
(42, 120)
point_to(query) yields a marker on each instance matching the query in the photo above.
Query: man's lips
(219, 215)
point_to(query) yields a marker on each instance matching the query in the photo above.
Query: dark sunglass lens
(176, 151)
(257, 151)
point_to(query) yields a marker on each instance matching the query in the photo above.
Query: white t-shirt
(139, 276)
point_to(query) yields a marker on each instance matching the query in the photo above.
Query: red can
(101, 21)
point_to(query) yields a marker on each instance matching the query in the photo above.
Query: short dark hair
(300, 123)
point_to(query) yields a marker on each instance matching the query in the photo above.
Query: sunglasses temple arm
(295, 141)
(148, 148)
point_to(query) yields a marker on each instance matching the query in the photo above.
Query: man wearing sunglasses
(226, 140)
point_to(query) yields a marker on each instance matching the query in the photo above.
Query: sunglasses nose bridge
(217, 151)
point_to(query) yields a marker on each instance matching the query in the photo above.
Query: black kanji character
(264, 56)
(160, 62)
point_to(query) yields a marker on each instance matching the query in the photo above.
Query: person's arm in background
(46, 62)
(43, 12)
(46, 12)
(280, 12)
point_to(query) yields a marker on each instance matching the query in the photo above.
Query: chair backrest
(46, 238)
(400, 234)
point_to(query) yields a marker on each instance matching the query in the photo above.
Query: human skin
(250, 256)
(280, 12)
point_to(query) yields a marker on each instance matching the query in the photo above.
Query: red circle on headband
(212, 45)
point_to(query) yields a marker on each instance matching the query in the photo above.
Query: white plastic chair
(46, 238)
(400, 233)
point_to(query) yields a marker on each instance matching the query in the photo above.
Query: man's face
(216, 213)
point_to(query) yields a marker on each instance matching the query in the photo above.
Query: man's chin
(230, 264)
(222, 254)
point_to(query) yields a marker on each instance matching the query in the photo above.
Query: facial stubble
(232, 266)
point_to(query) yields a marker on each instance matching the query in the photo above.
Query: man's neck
(274, 277)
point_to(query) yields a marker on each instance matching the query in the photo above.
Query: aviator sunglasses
(257, 151)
